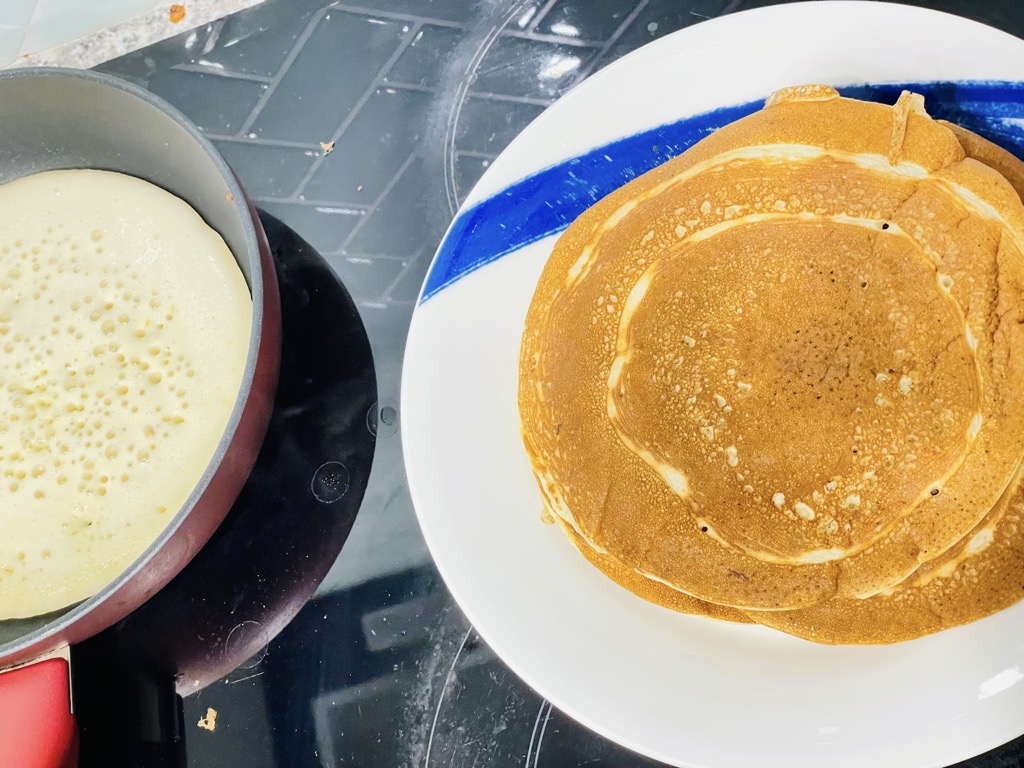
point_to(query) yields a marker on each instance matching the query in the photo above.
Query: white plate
(680, 689)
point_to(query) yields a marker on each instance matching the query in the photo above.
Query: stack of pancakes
(780, 378)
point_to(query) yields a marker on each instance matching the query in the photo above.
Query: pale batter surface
(124, 330)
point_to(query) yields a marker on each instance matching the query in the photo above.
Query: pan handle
(37, 729)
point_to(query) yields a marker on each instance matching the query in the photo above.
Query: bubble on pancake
(69, 391)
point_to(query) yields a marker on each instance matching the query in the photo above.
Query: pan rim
(54, 632)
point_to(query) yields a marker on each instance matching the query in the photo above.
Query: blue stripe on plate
(548, 201)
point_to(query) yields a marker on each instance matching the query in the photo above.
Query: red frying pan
(55, 119)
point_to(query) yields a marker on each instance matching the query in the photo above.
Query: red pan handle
(37, 729)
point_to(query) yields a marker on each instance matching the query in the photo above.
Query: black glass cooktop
(358, 126)
(278, 542)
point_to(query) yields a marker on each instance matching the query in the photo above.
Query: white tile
(16, 13)
(61, 21)
(10, 45)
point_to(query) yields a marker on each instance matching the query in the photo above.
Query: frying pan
(52, 119)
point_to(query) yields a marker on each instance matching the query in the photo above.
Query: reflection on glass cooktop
(362, 125)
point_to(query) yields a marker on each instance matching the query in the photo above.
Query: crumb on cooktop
(209, 722)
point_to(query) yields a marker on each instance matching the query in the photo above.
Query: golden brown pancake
(775, 370)
(995, 157)
(982, 574)
(650, 590)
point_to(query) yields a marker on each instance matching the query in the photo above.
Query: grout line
(37, 13)
(207, 69)
(344, 208)
(293, 54)
(539, 16)
(26, 39)
(556, 39)
(9, 27)
(380, 198)
(409, 35)
(614, 38)
(396, 16)
(333, 205)
(260, 142)
(474, 153)
(216, 29)
(413, 260)
(365, 257)
(537, 102)
(400, 86)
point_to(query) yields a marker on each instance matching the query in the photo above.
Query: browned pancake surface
(773, 370)
(982, 574)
